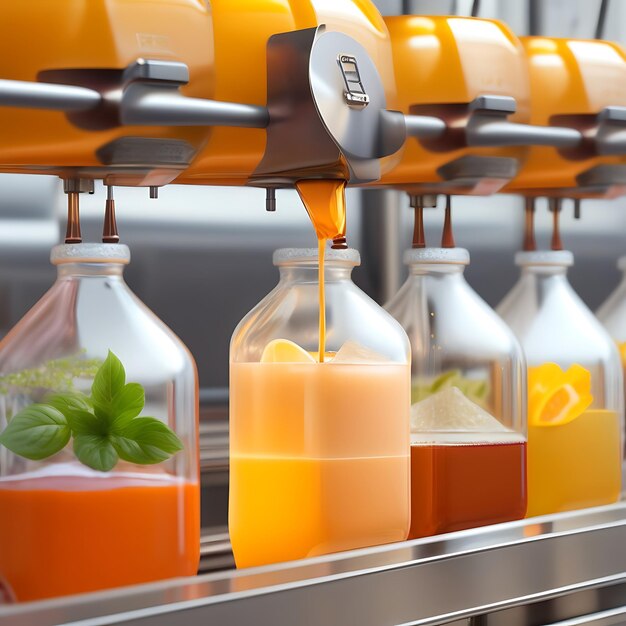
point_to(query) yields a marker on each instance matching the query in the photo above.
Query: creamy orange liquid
(319, 458)
(325, 202)
(64, 535)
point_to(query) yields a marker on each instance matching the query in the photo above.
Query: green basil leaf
(127, 404)
(69, 401)
(108, 382)
(36, 432)
(86, 423)
(95, 451)
(145, 441)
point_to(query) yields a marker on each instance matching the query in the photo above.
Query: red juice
(456, 485)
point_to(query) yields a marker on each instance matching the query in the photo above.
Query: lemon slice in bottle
(556, 397)
(285, 351)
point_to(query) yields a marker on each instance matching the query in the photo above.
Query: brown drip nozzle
(73, 187)
(339, 243)
(419, 238)
(447, 237)
(555, 206)
(109, 231)
(72, 233)
(530, 244)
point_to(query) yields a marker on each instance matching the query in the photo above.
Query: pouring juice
(319, 407)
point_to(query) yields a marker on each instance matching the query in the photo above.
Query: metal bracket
(148, 96)
(611, 132)
(483, 123)
(151, 97)
(488, 126)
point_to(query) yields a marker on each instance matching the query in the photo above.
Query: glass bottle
(119, 502)
(468, 431)
(319, 448)
(574, 389)
(612, 314)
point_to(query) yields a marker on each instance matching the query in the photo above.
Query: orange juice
(575, 464)
(319, 458)
(325, 202)
(63, 535)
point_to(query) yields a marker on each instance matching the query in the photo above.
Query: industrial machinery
(273, 94)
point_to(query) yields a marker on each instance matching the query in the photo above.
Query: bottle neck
(438, 270)
(545, 272)
(90, 270)
(309, 273)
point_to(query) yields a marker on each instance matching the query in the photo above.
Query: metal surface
(317, 128)
(424, 126)
(615, 617)
(428, 581)
(17, 93)
(486, 126)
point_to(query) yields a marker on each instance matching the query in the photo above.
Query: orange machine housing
(224, 44)
(441, 64)
(52, 41)
(572, 80)
(241, 31)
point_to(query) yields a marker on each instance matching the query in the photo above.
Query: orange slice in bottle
(285, 351)
(556, 397)
(622, 351)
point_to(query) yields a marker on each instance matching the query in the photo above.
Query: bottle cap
(309, 255)
(90, 253)
(545, 257)
(437, 255)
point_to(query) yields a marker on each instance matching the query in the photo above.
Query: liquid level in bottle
(61, 536)
(319, 458)
(574, 465)
(459, 486)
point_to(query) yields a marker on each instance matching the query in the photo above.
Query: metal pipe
(604, 5)
(499, 133)
(18, 93)
(142, 108)
(424, 126)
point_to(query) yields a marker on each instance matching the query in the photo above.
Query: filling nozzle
(555, 205)
(73, 187)
(109, 232)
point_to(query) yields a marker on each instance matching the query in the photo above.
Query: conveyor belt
(494, 572)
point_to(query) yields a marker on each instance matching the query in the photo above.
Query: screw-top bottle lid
(545, 257)
(621, 264)
(437, 255)
(90, 253)
(310, 255)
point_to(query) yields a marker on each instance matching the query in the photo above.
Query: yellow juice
(574, 465)
(319, 458)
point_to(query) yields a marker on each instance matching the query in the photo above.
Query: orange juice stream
(325, 202)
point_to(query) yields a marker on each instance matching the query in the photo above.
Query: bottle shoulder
(84, 319)
(292, 312)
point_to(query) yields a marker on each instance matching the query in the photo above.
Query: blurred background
(201, 257)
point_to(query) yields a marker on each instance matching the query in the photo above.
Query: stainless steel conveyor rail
(438, 580)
